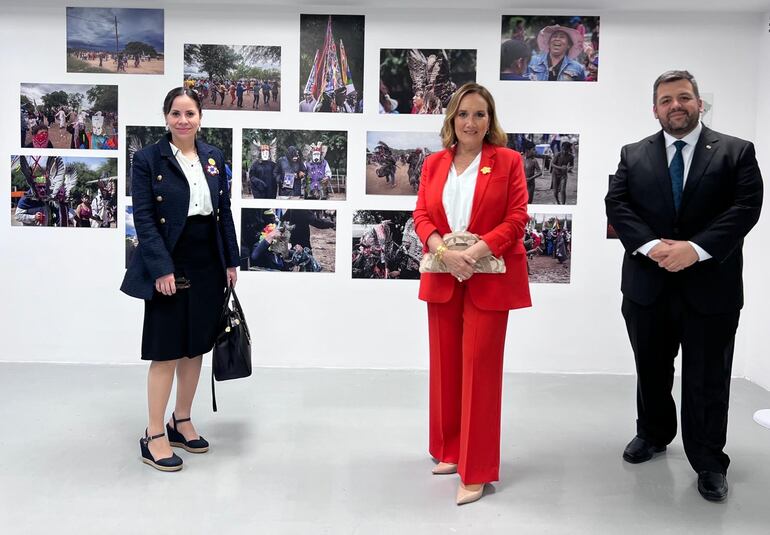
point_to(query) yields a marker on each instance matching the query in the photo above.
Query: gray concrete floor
(307, 451)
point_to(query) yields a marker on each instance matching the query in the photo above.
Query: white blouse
(200, 196)
(458, 195)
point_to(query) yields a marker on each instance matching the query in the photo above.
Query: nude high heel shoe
(467, 495)
(444, 468)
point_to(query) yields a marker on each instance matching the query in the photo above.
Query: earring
(166, 127)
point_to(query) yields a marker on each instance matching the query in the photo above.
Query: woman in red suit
(477, 185)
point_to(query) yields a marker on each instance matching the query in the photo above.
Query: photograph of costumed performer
(39, 138)
(263, 173)
(186, 257)
(394, 161)
(271, 250)
(319, 174)
(476, 184)
(328, 67)
(291, 172)
(421, 81)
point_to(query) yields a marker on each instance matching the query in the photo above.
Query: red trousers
(466, 380)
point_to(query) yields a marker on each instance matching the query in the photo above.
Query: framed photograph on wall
(69, 116)
(63, 191)
(422, 80)
(229, 77)
(294, 164)
(385, 245)
(132, 242)
(138, 137)
(331, 63)
(544, 48)
(394, 161)
(550, 165)
(288, 239)
(115, 40)
(548, 242)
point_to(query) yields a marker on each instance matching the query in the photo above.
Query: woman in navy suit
(186, 257)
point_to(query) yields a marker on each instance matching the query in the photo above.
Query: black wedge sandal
(169, 464)
(177, 440)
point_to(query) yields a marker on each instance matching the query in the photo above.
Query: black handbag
(232, 351)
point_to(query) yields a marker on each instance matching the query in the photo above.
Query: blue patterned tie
(676, 171)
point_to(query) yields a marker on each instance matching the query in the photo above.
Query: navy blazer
(161, 199)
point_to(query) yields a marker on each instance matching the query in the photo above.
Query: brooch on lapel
(211, 168)
(486, 170)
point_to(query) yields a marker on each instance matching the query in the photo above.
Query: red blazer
(498, 216)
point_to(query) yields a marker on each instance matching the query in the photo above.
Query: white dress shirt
(687, 151)
(200, 196)
(458, 195)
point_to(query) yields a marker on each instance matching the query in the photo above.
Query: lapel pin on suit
(708, 146)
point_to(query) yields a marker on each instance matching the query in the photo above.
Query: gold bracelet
(440, 250)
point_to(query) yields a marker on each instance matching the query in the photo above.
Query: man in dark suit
(682, 201)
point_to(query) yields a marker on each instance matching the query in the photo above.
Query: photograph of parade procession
(385, 245)
(394, 161)
(550, 165)
(278, 239)
(331, 74)
(294, 164)
(229, 77)
(548, 242)
(547, 48)
(67, 116)
(141, 136)
(57, 191)
(115, 40)
(421, 81)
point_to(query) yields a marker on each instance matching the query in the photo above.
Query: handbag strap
(213, 391)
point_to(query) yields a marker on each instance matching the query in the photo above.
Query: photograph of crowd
(331, 74)
(548, 242)
(115, 40)
(58, 191)
(394, 161)
(385, 245)
(421, 81)
(141, 136)
(279, 239)
(294, 164)
(550, 165)
(131, 240)
(229, 77)
(68, 116)
(547, 48)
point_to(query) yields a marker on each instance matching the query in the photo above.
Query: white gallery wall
(59, 287)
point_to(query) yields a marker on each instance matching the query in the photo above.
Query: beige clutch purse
(459, 241)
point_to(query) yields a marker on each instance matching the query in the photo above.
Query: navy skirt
(185, 324)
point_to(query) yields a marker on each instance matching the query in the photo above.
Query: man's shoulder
(709, 136)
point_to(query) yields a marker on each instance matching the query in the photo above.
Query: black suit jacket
(721, 202)
(161, 199)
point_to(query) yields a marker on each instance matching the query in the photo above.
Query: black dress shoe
(712, 485)
(177, 440)
(168, 464)
(639, 450)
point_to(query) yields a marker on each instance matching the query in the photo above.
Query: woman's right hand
(459, 263)
(166, 284)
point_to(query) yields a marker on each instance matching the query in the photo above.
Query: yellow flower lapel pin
(486, 170)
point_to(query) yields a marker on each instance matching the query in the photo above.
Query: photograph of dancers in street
(544, 48)
(140, 136)
(69, 116)
(548, 242)
(550, 165)
(229, 77)
(385, 245)
(394, 161)
(331, 63)
(280, 239)
(422, 80)
(115, 40)
(294, 164)
(57, 191)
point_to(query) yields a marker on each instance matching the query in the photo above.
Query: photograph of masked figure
(385, 245)
(422, 80)
(394, 161)
(294, 164)
(280, 239)
(550, 165)
(63, 191)
(331, 63)
(548, 243)
(549, 48)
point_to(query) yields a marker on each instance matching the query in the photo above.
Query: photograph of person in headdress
(394, 161)
(115, 40)
(331, 59)
(385, 245)
(422, 80)
(549, 48)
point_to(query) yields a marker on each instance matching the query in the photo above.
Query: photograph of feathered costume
(385, 245)
(394, 161)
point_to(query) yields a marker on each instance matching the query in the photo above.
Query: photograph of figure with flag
(331, 63)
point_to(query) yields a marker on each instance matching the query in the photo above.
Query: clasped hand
(673, 255)
(459, 263)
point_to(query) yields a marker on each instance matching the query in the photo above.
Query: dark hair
(673, 76)
(513, 50)
(38, 127)
(178, 92)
